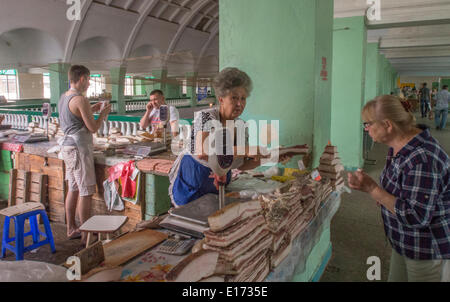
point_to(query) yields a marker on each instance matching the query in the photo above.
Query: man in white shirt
(441, 109)
(151, 116)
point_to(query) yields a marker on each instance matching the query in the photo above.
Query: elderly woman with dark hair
(191, 176)
(414, 192)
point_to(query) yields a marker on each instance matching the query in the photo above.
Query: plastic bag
(31, 271)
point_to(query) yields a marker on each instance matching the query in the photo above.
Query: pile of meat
(158, 165)
(247, 240)
(331, 167)
(289, 210)
(239, 233)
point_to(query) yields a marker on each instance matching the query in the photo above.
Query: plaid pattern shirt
(418, 176)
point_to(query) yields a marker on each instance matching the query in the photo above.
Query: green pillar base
(160, 80)
(192, 87)
(118, 88)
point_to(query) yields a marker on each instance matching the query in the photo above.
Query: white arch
(174, 14)
(212, 36)
(73, 35)
(137, 27)
(210, 21)
(200, 17)
(198, 6)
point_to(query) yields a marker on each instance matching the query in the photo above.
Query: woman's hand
(361, 181)
(284, 159)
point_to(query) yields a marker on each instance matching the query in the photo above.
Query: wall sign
(324, 72)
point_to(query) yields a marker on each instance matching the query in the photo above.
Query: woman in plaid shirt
(414, 192)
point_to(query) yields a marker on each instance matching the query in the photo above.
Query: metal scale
(142, 150)
(192, 219)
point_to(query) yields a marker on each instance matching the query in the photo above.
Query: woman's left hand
(361, 181)
(284, 159)
(218, 180)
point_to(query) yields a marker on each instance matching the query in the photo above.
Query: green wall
(59, 80)
(173, 91)
(349, 69)
(118, 87)
(139, 87)
(280, 45)
(371, 72)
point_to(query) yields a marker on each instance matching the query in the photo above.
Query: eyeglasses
(368, 124)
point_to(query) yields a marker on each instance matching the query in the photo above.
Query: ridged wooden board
(131, 245)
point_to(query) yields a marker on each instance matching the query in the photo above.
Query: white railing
(17, 121)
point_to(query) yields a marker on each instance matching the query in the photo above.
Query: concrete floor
(357, 228)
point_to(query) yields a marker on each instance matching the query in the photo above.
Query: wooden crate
(27, 187)
(57, 190)
(54, 169)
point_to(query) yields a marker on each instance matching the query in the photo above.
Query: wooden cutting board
(130, 245)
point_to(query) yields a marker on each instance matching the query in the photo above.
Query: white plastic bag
(31, 271)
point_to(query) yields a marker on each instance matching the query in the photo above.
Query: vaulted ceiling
(182, 35)
(413, 34)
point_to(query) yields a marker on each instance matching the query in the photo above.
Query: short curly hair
(230, 78)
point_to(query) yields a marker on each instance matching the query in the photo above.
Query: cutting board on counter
(131, 245)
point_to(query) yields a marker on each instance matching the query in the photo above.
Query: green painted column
(387, 86)
(284, 46)
(191, 78)
(160, 80)
(349, 71)
(380, 88)
(148, 86)
(59, 81)
(139, 87)
(173, 90)
(371, 72)
(118, 88)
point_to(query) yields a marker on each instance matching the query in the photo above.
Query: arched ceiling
(413, 34)
(174, 11)
(176, 30)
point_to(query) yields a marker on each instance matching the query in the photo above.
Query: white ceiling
(182, 35)
(413, 34)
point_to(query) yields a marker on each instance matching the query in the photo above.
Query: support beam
(59, 81)
(293, 87)
(416, 52)
(137, 27)
(177, 11)
(205, 28)
(201, 16)
(118, 88)
(75, 30)
(128, 4)
(348, 90)
(186, 20)
(213, 34)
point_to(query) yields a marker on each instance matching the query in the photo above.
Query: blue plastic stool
(19, 214)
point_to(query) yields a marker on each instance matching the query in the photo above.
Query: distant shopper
(414, 192)
(151, 116)
(441, 109)
(78, 123)
(425, 99)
